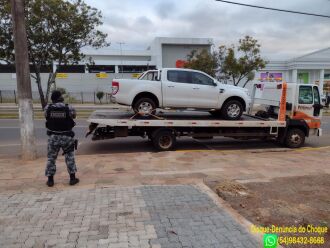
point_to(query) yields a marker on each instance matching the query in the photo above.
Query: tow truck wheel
(295, 138)
(163, 140)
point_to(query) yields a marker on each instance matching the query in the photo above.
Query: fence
(10, 96)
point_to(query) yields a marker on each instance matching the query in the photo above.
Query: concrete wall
(76, 82)
(172, 53)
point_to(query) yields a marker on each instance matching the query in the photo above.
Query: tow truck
(288, 113)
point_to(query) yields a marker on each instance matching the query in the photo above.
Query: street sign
(136, 75)
(101, 75)
(62, 75)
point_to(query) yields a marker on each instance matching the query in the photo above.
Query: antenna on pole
(121, 57)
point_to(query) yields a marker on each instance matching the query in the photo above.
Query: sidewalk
(147, 216)
(139, 199)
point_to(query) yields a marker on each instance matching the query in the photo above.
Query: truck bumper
(315, 132)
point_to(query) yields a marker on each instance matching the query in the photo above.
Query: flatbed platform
(177, 119)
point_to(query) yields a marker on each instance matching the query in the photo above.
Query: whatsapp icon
(270, 240)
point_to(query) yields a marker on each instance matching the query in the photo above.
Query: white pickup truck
(180, 89)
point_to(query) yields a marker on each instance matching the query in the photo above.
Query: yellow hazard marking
(62, 75)
(262, 149)
(102, 75)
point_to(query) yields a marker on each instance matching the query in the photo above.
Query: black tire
(164, 140)
(232, 110)
(149, 104)
(295, 138)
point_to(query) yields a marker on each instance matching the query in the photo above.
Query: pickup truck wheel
(145, 106)
(295, 138)
(232, 110)
(164, 140)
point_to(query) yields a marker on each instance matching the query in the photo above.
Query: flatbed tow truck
(292, 112)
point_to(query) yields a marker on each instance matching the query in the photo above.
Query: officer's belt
(66, 133)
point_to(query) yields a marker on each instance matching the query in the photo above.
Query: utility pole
(121, 58)
(25, 106)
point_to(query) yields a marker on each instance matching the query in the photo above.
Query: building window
(7, 68)
(11, 68)
(43, 69)
(135, 68)
(101, 68)
(71, 68)
(303, 77)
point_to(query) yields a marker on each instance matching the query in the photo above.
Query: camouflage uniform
(55, 143)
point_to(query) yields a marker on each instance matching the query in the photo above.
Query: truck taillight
(115, 87)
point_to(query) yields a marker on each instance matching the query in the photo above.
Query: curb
(246, 224)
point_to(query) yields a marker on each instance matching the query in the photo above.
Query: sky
(281, 35)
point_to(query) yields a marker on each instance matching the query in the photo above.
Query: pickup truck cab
(180, 89)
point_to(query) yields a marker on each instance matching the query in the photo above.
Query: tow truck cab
(303, 106)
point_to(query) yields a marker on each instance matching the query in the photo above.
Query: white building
(310, 68)
(165, 52)
(108, 64)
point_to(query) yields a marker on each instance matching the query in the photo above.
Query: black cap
(56, 96)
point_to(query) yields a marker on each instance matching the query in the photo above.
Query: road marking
(19, 144)
(40, 144)
(10, 145)
(260, 150)
(311, 148)
(39, 127)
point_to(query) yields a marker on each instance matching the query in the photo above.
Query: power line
(281, 10)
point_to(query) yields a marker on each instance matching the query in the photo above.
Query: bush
(100, 95)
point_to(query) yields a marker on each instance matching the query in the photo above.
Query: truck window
(179, 76)
(316, 95)
(199, 78)
(305, 95)
(150, 76)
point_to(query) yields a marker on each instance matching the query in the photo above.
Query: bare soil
(288, 201)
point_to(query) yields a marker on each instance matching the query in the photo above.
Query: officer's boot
(50, 181)
(73, 179)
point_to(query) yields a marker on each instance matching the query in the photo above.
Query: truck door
(177, 89)
(317, 102)
(205, 91)
(309, 107)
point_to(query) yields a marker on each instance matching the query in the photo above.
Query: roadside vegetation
(57, 30)
(235, 64)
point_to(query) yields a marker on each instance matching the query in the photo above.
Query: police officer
(59, 124)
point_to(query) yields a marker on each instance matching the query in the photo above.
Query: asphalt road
(10, 141)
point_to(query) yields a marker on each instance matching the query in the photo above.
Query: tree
(203, 61)
(230, 63)
(241, 62)
(100, 95)
(57, 30)
(23, 81)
